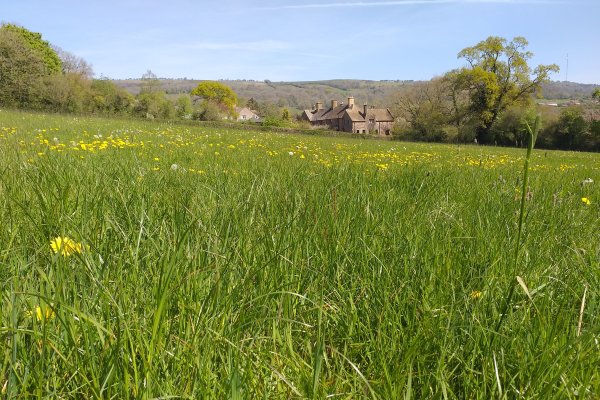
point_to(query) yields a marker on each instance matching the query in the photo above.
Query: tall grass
(225, 264)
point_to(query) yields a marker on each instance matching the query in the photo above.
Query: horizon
(307, 41)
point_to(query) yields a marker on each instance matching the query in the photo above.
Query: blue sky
(308, 39)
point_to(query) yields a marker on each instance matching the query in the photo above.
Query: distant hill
(568, 90)
(299, 95)
(303, 95)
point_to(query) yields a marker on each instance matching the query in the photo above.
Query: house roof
(355, 113)
(315, 115)
(334, 113)
(245, 110)
(380, 114)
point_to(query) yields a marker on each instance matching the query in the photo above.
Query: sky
(306, 40)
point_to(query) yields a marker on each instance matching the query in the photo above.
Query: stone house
(246, 114)
(350, 118)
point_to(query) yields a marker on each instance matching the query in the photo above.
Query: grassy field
(148, 260)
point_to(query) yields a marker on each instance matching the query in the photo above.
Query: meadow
(155, 260)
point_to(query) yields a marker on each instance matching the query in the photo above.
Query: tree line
(36, 75)
(491, 100)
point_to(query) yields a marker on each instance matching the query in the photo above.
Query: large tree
(42, 48)
(425, 107)
(217, 93)
(21, 70)
(497, 77)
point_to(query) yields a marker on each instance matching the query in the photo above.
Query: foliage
(153, 104)
(596, 94)
(497, 77)
(568, 132)
(69, 92)
(39, 46)
(215, 261)
(209, 111)
(252, 104)
(183, 106)
(424, 107)
(217, 93)
(72, 64)
(110, 99)
(21, 71)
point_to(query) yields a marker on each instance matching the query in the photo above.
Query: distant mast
(567, 69)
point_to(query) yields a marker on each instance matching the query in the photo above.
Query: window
(364, 131)
(376, 130)
(358, 131)
(387, 132)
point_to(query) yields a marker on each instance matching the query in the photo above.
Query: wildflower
(586, 201)
(475, 294)
(587, 181)
(174, 167)
(382, 167)
(41, 314)
(291, 153)
(65, 246)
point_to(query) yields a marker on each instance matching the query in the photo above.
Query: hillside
(302, 95)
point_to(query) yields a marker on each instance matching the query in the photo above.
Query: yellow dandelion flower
(41, 314)
(586, 201)
(475, 294)
(65, 246)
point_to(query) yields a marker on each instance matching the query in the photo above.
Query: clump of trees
(35, 75)
(572, 130)
(217, 99)
(490, 100)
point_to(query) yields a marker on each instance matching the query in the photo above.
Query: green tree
(496, 78)
(184, 106)
(285, 115)
(208, 111)
(217, 93)
(35, 42)
(252, 104)
(570, 129)
(108, 98)
(425, 108)
(21, 70)
(596, 94)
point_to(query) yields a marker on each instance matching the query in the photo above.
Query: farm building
(246, 114)
(350, 118)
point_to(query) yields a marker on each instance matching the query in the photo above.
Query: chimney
(334, 103)
(350, 101)
(319, 105)
(365, 108)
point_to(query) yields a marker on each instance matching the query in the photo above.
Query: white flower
(291, 153)
(587, 181)
(174, 167)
